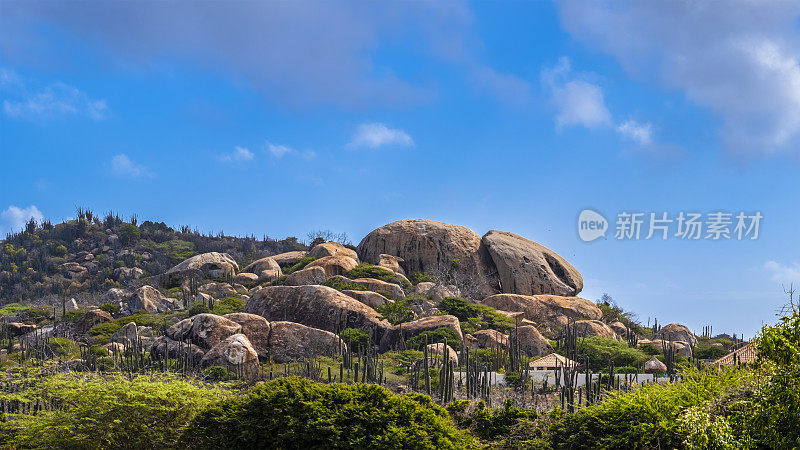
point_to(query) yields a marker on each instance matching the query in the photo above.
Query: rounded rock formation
(528, 268)
(432, 247)
(290, 342)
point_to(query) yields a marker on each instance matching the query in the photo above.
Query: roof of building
(553, 360)
(744, 355)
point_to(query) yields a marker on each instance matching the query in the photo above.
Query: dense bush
(110, 412)
(299, 265)
(129, 234)
(777, 415)
(298, 413)
(473, 316)
(340, 284)
(599, 350)
(110, 308)
(434, 337)
(376, 272)
(488, 423)
(228, 305)
(355, 338)
(647, 417)
(396, 312)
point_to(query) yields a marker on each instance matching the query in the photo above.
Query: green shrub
(109, 412)
(298, 413)
(12, 309)
(473, 316)
(61, 250)
(106, 328)
(110, 308)
(197, 308)
(355, 338)
(62, 346)
(489, 423)
(647, 417)
(217, 373)
(395, 312)
(228, 305)
(421, 277)
(299, 265)
(434, 337)
(649, 349)
(340, 284)
(599, 350)
(376, 272)
(129, 234)
(709, 352)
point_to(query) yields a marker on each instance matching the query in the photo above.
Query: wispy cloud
(577, 101)
(783, 273)
(57, 99)
(642, 133)
(14, 218)
(279, 151)
(239, 155)
(123, 166)
(375, 135)
(739, 59)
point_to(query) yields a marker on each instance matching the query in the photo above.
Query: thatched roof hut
(654, 366)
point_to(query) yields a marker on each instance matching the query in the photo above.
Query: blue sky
(280, 118)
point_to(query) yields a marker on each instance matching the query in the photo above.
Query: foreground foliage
(298, 413)
(111, 412)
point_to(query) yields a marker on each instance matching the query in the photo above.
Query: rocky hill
(89, 255)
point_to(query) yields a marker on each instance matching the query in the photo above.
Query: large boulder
(391, 262)
(491, 339)
(115, 296)
(433, 247)
(394, 290)
(91, 318)
(332, 249)
(315, 306)
(245, 278)
(528, 268)
(217, 290)
(234, 352)
(289, 258)
(619, 328)
(18, 329)
(256, 328)
(552, 311)
(410, 329)
(151, 300)
(681, 348)
(309, 275)
(334, 265)
(267, 269)
(531, 341)
(212, 264)
(677, 332)
(588, 328)
(289, 342)
(164, 348)
(204, 330)
(371, 299)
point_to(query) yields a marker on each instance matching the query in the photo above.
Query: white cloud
(576, 100)
(14, 218)
(375, 135)
(55, 100)
(740, 59)
(122, 166)
(278, 151)
(783, 273)
(642, 133)
(239, 155)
